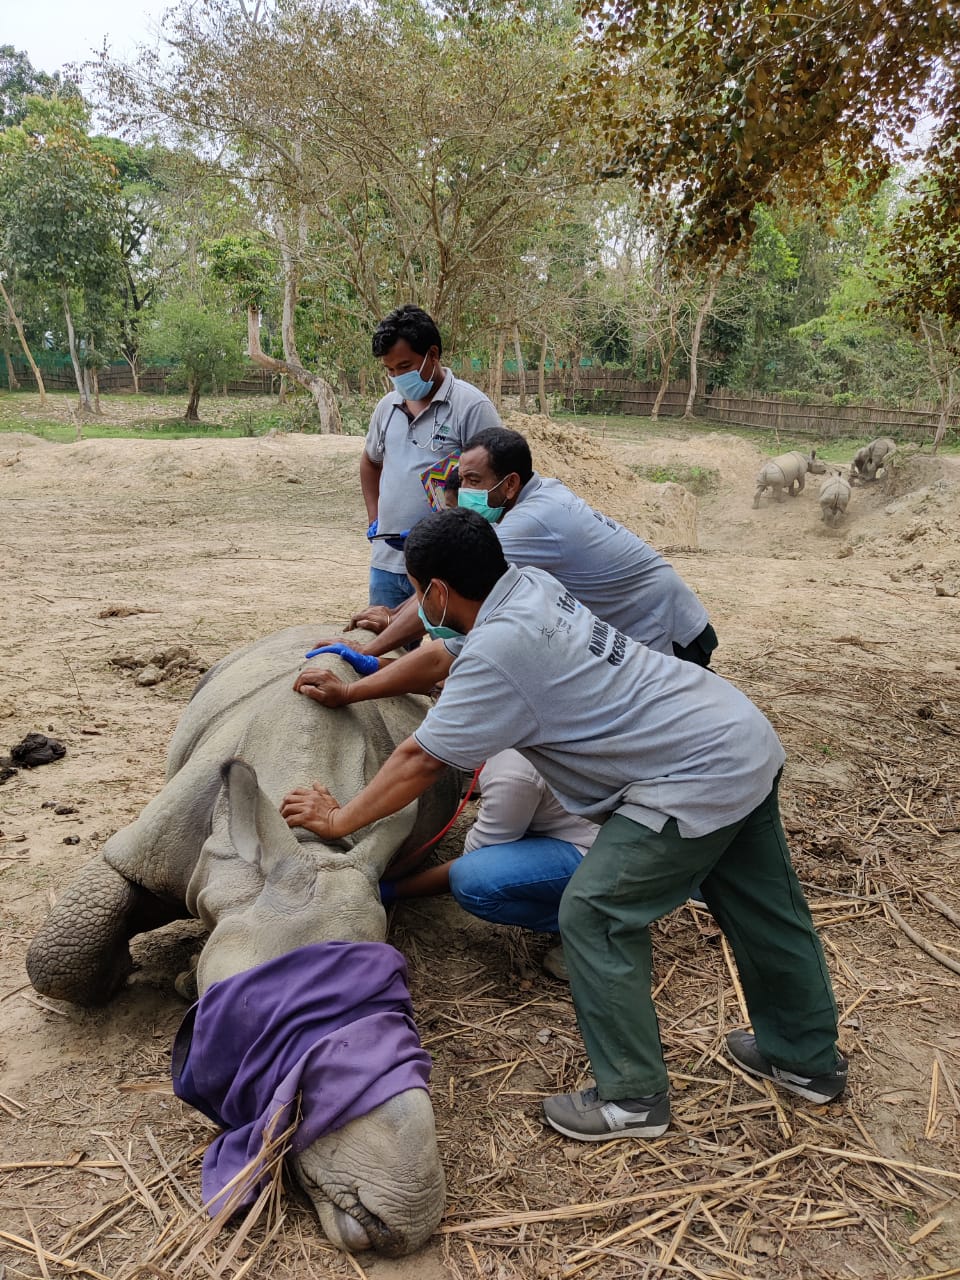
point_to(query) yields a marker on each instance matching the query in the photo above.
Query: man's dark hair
(458, 546)
(508, 451)
(411, 323)
(453, 481)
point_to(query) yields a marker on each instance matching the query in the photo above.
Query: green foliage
(57, 198)
(712, 110)
(246, 264)
(20, 81)
(206, 341)
(699, 480)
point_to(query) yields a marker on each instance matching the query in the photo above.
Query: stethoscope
(438, 441)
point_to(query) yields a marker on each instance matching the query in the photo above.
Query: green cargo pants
(633, 876)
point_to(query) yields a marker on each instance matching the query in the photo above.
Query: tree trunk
(695, 346)
(134, 363)
(521, 372)
(496, 371)
(319, 388)
(666, 365)
(13, 382)
(85, 405)
(573, 375)
(15, 321)
(944, 374)
(95, 379)
(193, 404)
(542, 377)
(290, 253)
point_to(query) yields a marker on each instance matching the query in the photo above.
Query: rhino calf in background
(785, 471)
(213, 845)
(834, 497)
(872, 458)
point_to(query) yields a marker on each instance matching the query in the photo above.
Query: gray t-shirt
(610, 724)
(608, 568)
(407, 449)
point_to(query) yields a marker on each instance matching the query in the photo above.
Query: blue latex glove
(362, 663)
(374, 524)
(398, 542)
(388, 892)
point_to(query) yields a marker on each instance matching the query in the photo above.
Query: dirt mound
(664, 514)
(723, 461)
(175, 465)
(914, 507)
(11, 440)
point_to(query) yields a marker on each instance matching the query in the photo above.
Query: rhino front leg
(778, 492)
(81, 954)
(758, 495)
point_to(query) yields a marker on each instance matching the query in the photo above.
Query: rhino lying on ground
(834, 497)
(213, 845)
(872, 458)
(785, 471)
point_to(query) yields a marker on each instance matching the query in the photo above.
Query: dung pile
(664, 514)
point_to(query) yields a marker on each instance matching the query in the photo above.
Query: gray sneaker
(587, 1117)
(742, 1048)
(554, 963)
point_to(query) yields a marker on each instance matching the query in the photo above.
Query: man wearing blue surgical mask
(417, 429)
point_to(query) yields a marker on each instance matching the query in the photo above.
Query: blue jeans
(518, 883)
(390, 589)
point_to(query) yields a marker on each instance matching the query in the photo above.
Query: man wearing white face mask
(418, 428)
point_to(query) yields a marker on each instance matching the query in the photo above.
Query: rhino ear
(257, 831)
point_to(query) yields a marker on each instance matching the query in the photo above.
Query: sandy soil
(126, 550)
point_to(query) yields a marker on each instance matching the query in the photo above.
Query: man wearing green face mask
(540, 523)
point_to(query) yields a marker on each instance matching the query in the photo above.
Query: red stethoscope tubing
(460, 807)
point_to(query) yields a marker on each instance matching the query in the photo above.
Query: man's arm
(404, 626)
(407, 773)
(370, 484)
(422, 884)
(415, 672)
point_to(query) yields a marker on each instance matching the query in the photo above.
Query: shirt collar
(532, 485)
(503, 587)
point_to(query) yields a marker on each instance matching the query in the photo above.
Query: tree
(205, 340)
(396, 153)
(720, 108)
(20, 80)
(58, 212)
(919, 275)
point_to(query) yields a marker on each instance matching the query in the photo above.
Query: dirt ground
(117, 552)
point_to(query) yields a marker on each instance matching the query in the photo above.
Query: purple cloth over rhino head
(331, 1022)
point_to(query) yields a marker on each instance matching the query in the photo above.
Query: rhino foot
(81, 954)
